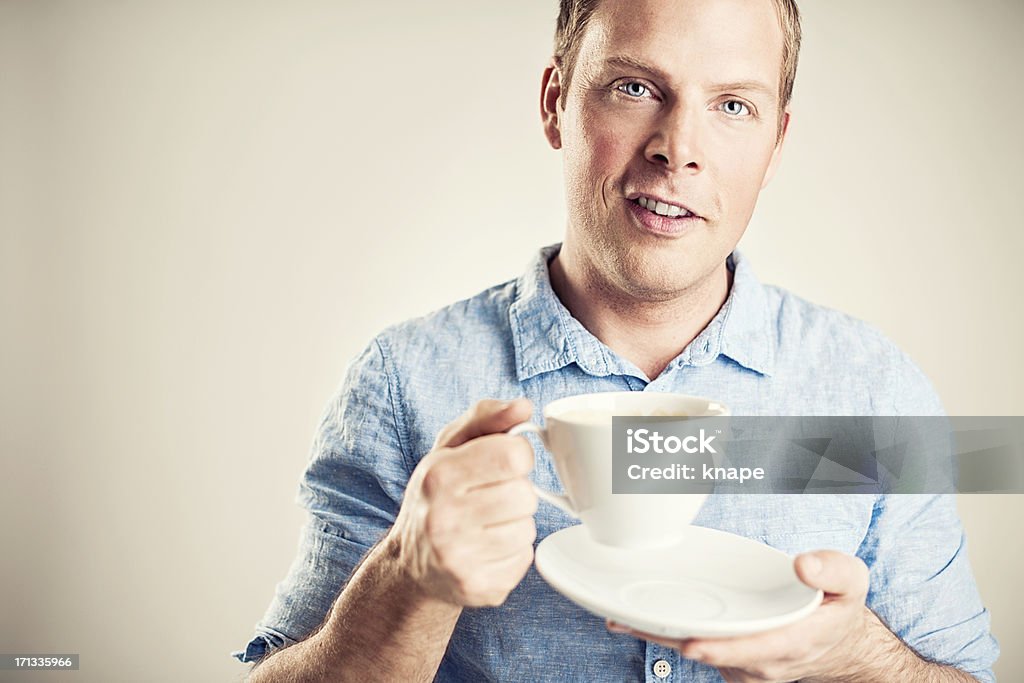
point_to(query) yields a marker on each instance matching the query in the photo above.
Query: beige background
(208, 208)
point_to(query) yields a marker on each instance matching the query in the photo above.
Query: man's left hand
(825, 644)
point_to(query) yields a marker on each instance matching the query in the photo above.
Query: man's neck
(647, 333)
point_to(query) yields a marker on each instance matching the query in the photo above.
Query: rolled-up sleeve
(352, 488)
(922, 586)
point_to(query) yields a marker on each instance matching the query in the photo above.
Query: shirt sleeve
(921, 584)
(352, 488)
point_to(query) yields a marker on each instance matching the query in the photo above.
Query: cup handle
(558, 500)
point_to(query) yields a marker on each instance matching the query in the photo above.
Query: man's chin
(662, 277)
(655, 287)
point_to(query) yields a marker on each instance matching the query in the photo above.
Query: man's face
(670, 100)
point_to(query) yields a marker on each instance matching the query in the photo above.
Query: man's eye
(634, 89)
(736, 108)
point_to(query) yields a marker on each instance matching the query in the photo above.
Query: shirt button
(662, 668)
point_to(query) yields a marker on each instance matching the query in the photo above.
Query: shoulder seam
(394, 397)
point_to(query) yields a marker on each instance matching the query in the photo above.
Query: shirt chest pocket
(793, 523)
(845, 539)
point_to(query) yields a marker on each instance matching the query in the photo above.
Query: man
(416, 561)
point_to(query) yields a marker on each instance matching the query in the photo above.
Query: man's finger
(833, 572)
(485, 417)
(742, 651)
(489, 459)
(500, 503)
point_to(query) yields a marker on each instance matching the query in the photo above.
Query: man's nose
(676, 141)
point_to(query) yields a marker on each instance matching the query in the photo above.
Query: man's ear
(773, 163)
(550, 94)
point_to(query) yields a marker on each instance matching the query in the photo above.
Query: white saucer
(711, 583)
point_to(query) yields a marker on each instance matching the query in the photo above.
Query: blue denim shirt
(766, 352)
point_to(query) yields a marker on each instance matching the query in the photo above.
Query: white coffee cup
(578, 433)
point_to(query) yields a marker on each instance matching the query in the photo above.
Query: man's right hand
(463, 538)
(465, 530)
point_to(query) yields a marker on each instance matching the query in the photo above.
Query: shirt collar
(547, 337)
(748, 335)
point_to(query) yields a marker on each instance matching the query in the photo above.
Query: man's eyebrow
(627, 62)
(749, 86)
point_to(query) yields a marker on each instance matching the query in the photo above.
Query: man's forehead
(740, 38)
(723, 14)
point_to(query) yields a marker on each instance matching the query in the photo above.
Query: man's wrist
(393, 561)
(381, 608)
(872, 653)
(388, 563)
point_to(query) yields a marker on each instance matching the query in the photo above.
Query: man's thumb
(833, 572)
(486, 417)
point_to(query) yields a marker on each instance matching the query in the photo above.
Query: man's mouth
(667, 219)
(664, 208)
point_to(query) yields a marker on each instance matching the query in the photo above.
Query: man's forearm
(380, 628)
(879, 655)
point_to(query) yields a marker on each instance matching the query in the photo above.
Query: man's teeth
(661, 208)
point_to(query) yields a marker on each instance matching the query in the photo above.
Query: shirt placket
(662, 664)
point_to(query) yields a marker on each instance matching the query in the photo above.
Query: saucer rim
(581, 595)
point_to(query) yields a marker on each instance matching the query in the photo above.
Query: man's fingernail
(696, 655)
(812, 565)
